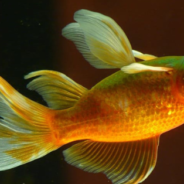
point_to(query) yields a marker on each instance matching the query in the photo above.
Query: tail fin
(25, 133)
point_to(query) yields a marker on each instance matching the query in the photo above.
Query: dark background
(30, 39)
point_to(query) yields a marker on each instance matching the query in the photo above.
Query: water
(30, 40)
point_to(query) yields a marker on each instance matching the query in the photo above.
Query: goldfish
(116, 124)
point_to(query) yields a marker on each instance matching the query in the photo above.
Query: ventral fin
(58, 90)
(100, 39)
(123, 162)
(139, 67)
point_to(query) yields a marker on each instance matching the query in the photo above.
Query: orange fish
(118, 122)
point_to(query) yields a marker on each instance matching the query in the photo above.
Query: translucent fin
(123, 163)
(142, 56)
(58, 90)
(138, 67)
(99, 38)
(25, 133)
(74, 33)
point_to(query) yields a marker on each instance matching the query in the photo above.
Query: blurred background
(30, 39)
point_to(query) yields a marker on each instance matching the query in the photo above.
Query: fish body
(126, 107)
(118, 121)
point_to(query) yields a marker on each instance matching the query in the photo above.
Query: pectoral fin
(123, 163)
(139, 67)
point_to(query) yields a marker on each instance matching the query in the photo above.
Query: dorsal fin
(58, 90)
(104, 44)
(100, 39)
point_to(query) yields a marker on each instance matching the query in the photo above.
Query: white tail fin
(25, 132)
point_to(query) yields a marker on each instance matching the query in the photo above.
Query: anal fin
(122, 162)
